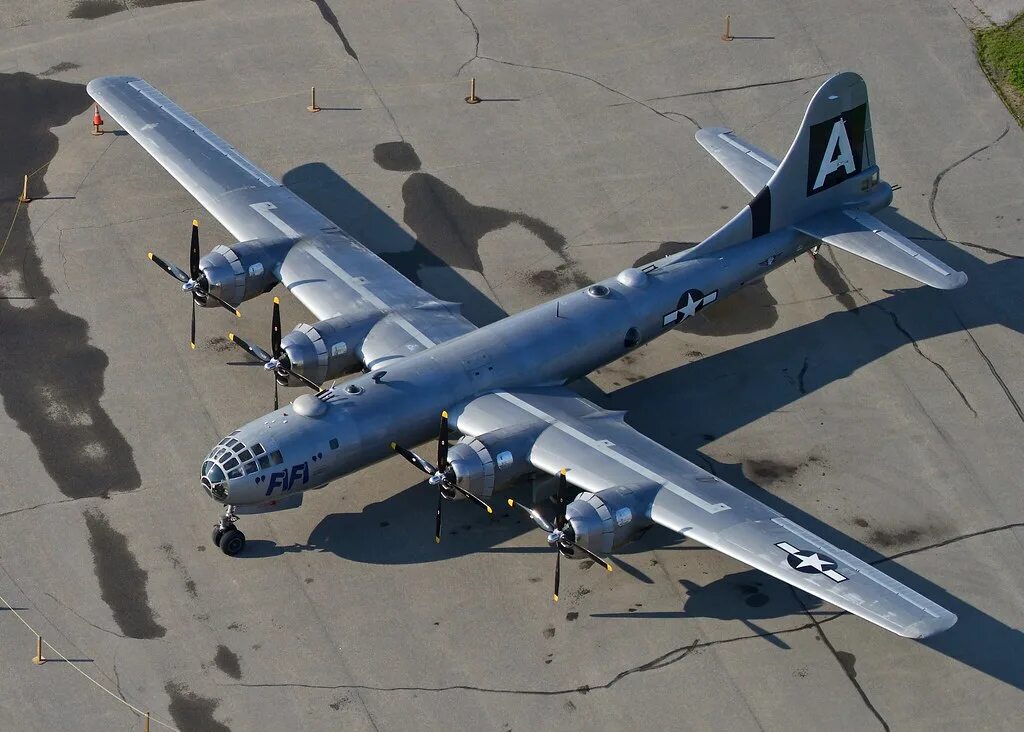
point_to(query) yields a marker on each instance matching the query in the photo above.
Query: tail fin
(831, 163)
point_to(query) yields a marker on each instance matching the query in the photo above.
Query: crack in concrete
(947, 542)
(942, 174)
(846, 668)
(592, 80)
(476, 33)
(991, 367)
(38, 505)
(740, 87)
(913, 342)
(82, 618)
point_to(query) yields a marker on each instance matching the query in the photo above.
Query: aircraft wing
(327, 270)
(748, 165)
(601, 451)
(862, 234)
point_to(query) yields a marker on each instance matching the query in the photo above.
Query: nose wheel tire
(232, 542)
(217, 533)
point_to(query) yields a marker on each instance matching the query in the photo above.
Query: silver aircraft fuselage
(553, 343)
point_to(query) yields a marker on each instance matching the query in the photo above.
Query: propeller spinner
(277, 360)
(195, 281)
(561, 536)
(441, 476)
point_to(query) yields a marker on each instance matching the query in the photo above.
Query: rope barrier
(17, 211)
(72, 664)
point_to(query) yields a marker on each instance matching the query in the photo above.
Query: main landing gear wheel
(232, 542)
(217, 533)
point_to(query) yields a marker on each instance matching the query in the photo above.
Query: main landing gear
(230, 540)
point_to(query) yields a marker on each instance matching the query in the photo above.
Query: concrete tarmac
(885, 416)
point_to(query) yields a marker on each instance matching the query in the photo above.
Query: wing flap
(862, 234)
(747, 164)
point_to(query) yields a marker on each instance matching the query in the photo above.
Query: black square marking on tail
(761, 213)
(836, 149)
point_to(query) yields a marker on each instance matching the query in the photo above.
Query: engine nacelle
(602, 522)
(242, 271)
(328, 349)
(493, 459)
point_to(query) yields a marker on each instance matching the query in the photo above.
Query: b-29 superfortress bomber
(502, 387)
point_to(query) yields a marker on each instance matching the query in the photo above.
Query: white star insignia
(690, 309)
(814, 561)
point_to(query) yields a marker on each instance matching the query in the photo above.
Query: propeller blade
(192, 339)
(597, 559)
(276, 403)
(537, 518)
(442, 443)
(414, 459)
(275, 329)
(476, 499)
(437, 523)
(193, 254)
(226, 305)
(308, 382)
(558, 571)
(169, 268)
(255, 351)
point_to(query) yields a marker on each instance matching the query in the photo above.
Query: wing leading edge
(602, 452)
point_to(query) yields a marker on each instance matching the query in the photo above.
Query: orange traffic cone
(97, 122)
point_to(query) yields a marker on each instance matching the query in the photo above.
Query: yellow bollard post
(23, 198)
(39, 660)
(727, 36)
(472, 98)
(312, 100)
(146, 728)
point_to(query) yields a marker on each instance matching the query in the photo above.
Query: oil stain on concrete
(51, 377)
(93, 9)
(227, 661)
(191, 711)
(122, 581)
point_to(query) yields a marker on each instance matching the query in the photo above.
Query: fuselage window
(275, 458)
(264, 462)
(245, 456)
(231, 463)
(250, 468)
(257, 449)
(236, 473)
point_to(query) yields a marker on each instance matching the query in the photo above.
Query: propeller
(442, 476)
(195, 281)
(277, 360)
(561, 535)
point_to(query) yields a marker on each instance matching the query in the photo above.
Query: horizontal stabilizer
(862, 234)
(748, 165)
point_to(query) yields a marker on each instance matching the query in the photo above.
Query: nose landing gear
(230, 540)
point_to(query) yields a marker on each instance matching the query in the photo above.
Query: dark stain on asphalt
(227, 661)
(93, 9)
(59, 68)
(897, 538)
(122, 581)
(770, 470)
(51, 377)
(186, 578)
(861, 522)
(191, 711)
(400, 156)
(332, 20)
(848, 661)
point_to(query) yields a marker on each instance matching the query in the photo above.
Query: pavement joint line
(79, 669)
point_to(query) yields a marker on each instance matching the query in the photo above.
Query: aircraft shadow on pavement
(729, 390)
(739, 386)
(361, 218)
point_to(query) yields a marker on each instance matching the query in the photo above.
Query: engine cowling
(603, 522)
(494, 459)
(242, 271)
(327, 349)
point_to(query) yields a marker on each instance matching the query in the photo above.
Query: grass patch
(1001, 53)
